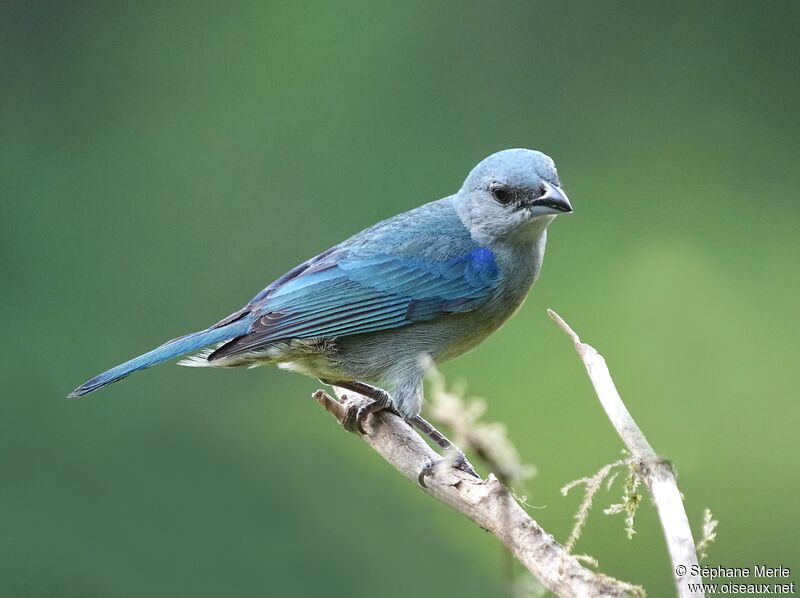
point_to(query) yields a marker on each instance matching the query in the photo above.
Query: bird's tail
(175, 348)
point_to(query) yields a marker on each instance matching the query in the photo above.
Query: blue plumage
(170, 350)
(436, 280)
(358, 294)
(346, 296)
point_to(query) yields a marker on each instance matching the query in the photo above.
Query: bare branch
(657, 472)
(486, 502)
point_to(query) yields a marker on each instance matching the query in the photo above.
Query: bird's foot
(357, 412)
(454, 455)
(457, 459)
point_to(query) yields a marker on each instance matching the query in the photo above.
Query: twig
(657, 472)
(486, 502)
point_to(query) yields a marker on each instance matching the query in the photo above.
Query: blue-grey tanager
(434, 281)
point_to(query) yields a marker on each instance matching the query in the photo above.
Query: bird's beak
(552, 201)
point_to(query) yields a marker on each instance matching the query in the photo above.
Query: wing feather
(348, 295)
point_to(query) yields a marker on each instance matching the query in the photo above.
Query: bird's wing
(352, 295)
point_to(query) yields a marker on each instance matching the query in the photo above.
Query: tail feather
(178, 347)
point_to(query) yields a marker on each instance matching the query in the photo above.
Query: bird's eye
(501, 195)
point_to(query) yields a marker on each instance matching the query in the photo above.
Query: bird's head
(514, 193)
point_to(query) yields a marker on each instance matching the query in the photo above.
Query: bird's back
(432, 232)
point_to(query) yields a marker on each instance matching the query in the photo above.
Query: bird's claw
(357, 413)
(354, 418)
(459, 462)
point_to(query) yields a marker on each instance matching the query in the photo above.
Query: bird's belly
(475, 329)
(367, 356)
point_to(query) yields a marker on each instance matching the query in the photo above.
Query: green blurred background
(162, 162)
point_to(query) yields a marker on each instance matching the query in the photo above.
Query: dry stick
(657, 472)
(486, 502)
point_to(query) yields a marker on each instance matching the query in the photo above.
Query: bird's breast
(519, 268)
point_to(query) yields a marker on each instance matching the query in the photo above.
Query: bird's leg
(354, 420)
(441, 441)
(381, 400)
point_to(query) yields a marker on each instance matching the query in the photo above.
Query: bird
(372, 313)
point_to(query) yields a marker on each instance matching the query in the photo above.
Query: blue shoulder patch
(481, 267)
